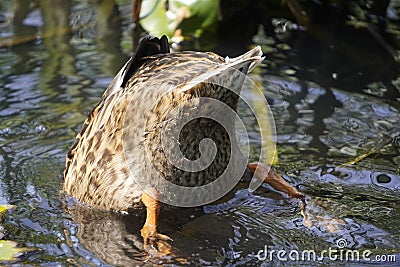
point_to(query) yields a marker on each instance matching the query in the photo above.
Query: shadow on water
(333, 90)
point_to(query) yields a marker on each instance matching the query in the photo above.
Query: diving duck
(106, 159)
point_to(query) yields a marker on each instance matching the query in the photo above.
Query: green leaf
(193, 17)
(154, 18)
(201, 15)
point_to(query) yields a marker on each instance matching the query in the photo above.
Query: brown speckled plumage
(122, 138)
(97, 171)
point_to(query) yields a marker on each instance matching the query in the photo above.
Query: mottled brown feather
(97, 172)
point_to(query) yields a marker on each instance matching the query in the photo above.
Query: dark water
(333, 100)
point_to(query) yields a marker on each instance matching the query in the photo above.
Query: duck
(122, 137)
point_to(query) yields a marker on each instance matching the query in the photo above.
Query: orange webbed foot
(268, 176)
(153, 242)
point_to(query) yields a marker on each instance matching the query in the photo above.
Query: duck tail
(149, 46)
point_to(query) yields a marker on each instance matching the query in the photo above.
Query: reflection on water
(332, 103)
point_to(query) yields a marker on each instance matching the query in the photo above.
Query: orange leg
(149, 230)
(274, 179)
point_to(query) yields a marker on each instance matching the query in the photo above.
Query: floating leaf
(3, 209)
(9, 250)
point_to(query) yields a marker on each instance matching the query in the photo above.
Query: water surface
(333, 100)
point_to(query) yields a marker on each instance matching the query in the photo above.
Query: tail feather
(149, 46)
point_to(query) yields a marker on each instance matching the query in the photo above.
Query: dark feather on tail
(149, 46)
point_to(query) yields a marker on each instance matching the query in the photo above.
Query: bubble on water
(40, 128)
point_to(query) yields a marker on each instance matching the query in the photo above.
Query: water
(332, 100)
